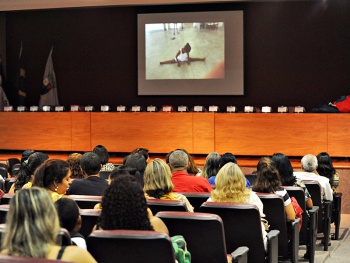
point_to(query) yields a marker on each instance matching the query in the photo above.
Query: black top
(92, 185)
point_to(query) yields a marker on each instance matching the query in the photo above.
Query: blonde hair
(32, 224)
(230, 185)
(157, 178)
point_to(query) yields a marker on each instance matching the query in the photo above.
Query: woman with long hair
(32, 229)
(158, 185)
(325, 168)
(211, 167)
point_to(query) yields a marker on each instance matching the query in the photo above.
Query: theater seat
(13, 259)
(157, 205)
(89, 219)
(196, 198)
(130, 246)
(204, 235)
(86, 201)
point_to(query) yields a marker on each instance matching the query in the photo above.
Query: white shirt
(327, 192)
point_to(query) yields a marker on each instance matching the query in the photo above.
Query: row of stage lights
(164, 108)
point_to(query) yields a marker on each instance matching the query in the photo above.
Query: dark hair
(143, 151)
(227, 158)
(51, 171)
(28, 168)
(284, 168)
(122, 169)
(187, 47)
(268, 179)
(91, 163)
(136, 160)
(124, 206)
(68, 213)
(167, 157)
(102, 152)
(26, 154)
(325, 166)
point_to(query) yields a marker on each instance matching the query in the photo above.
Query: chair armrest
(293, 227)
(272, 246)
(240, 255)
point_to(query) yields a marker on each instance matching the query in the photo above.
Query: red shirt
(186, 183)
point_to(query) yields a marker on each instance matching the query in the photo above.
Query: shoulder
(159, 225)
(77, 254)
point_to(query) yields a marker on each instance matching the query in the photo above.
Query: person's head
(187, 48)
(53, 175)
(136, 160)
(122, 170)
(309, 163)
(157, 179)
(284, 168)
(26, 154)
(178, 160)
(325, 165)
(28, 168)
(268, 179)
(90, 163)
(102, 152)
(143, 151)
(124, 206)
(211, 166)
(74, 164)
(227, 158)
(230, 185)
(192, 168)
(68, 214)
(32, 224)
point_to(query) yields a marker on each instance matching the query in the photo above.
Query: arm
(309, 203)
(78, 255)
(177, 60)
(290, 214)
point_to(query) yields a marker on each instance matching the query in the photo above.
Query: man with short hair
(92, 185)
(309, 165)
(183, 182)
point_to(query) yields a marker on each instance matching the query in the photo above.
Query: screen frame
(231, 84)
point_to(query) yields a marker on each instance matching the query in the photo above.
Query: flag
(22, 81)
(48, 93)
(3, 98)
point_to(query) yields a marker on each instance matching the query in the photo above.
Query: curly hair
(268, 179)
(124, 206)
(230, 185)
(211, 166)
(74, 164)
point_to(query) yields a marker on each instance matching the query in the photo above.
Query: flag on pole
(48, 93)
(22, 81)
(3, 98)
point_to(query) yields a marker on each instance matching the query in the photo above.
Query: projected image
(185, 50)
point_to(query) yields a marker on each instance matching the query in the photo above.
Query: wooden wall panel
(35, 130)
(338, 134)
(203, 133)
(81, 131)
(160, 132)
(264, 134)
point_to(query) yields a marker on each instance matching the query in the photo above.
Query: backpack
(180, 249)
(298, 211)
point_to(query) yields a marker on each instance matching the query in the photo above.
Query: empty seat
(204, 235)
(242, 225)
(130, 246)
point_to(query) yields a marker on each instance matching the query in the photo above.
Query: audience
(137, 161)
(231, 187)
(25, 175)
(74, 164)
(211, 167)
(285, 171)
(26, 154)
(93, 184)
(192, 168)
(268, 181)
(32, 228)
(102, 152)
(325, 168)
(158, 183)
(54, 176)
(309, 165)
(144, 152)
(124, 206)
(70, 219)
(178, 161)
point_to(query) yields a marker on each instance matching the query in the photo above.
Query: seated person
(102, 152)
(74, 164)
(325, 168)
(32, 229)
(70, 219)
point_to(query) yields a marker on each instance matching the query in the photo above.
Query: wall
(296, 53)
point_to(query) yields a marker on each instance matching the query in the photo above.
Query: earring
(56, 188)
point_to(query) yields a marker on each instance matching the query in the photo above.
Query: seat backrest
(11, 162)
(130, 246)
(15, 169)
(203, 232)
(3, 172)
(86, 201)
(104, 174)
(196, 199)
(242, 226)
(89, 219)
(6, 198)
(3, 213)
(13, 259)
(315, 191)
(275, 215)
(251, 178)
(8, 183)
(64, 238)
(157, 205)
